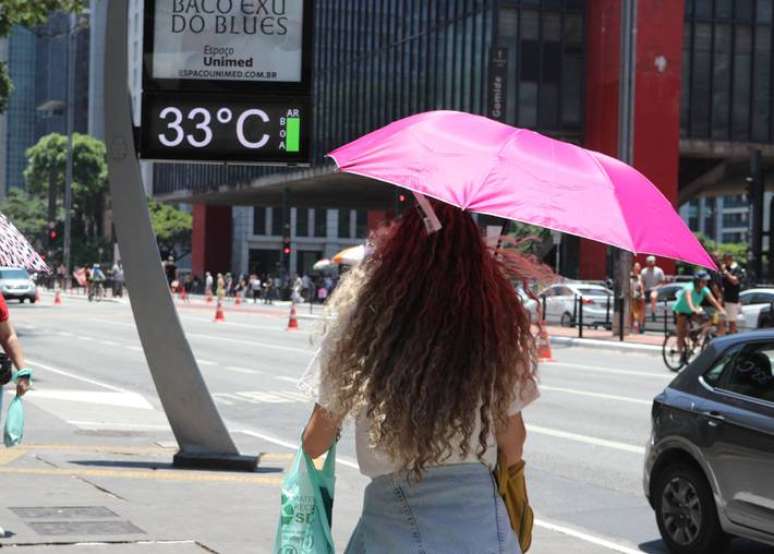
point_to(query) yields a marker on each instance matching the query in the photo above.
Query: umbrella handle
(432, 223)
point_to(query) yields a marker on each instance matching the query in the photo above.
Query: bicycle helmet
(701, 275)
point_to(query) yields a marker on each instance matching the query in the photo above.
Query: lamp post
(68, 195)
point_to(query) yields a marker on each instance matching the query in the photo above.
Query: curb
(606, 345)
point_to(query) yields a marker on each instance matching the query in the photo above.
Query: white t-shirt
(652, 277)
(374, 462)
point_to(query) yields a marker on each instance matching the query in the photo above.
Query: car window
(565, 291)
(749, 372)
(760, 298)
(13, 274)
(745, 299)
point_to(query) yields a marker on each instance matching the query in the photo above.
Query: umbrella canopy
(319, 265)
(491, 168)
(16, 251)
(350, 256)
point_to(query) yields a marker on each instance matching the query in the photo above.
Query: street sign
(227, 81)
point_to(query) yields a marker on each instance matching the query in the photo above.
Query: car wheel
(686, 513)
(566, 320)
(32, 300)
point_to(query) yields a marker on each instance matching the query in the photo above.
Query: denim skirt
(453, 509)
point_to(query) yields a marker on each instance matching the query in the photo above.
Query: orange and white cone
(293, 321)
(57, 297)
(237, 300)
(219, 315)
(182, 295)
(544, 345)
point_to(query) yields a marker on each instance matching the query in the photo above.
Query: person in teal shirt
(688, 304)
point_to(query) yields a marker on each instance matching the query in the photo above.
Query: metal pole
(68, 193)
(200, 432)
(580, 316)
(756, 223)
(543, 315)
(623, 259)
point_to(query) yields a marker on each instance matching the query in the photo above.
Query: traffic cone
(238, 300)
(209, 297)
(57, 297)
(544, 345)
(37, 294)
(182, 295)
(219, 315)
(293, 321)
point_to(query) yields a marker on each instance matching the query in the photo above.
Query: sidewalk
(69, 490)
(649, 342)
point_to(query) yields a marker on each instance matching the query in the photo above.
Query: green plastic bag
(307, 507)
(14, 423)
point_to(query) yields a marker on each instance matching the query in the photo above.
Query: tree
(27, 213)
(27, 13)
(46, 162)
(172, 227)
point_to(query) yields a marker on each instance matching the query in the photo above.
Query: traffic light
(51, 233)
(286, 246)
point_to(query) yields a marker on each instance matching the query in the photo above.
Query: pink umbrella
(487, 167)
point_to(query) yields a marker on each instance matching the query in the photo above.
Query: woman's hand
(22, 386)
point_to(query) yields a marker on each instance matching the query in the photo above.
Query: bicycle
(700, 334)
(96, 291)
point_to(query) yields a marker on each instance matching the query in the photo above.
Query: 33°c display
(222, 129)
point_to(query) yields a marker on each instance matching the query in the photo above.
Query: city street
(584, 450)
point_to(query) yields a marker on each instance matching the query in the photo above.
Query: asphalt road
(586, 433)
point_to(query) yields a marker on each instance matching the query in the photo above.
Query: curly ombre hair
(428, 336)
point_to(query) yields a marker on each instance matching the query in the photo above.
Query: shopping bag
(307, 507)
(14, 423)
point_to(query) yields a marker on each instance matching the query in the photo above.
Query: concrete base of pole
(222, 462)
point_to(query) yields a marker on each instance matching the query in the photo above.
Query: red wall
(211, 239)
(656, 96)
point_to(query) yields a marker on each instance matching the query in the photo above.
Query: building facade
(702, 85)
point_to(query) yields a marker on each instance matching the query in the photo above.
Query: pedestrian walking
(268, 290)
(13, 351)
(431, 355)
(652, 278)
(255, 287)
(220, 291)
(208, 283)
(733, 276)
(118, 279)
(637, 303)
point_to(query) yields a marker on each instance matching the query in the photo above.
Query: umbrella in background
(350, 256)
(323, 264)
(16, 251)
(491, 168)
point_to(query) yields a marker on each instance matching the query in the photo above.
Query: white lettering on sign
(240, 129)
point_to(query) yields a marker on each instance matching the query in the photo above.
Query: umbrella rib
(511, 138)
(609, 180)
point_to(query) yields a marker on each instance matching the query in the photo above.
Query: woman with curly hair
(430, 352)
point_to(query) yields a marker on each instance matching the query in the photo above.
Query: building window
(320, 222)
(276, 221)
(361, 225)
(738, 219)
(302, 222)
(344, 224)
(259, 220)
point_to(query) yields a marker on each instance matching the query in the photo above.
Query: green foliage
(31, 13)
(46, 163)
(27, 213)
(172, 227)
(737, 249)
(6, 87)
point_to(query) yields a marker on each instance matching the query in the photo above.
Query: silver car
(709, 466)
(15, 284)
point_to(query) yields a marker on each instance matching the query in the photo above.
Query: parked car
(709, 466)
(753, 301)
(15, 284)
(529, 304)
(561, 304)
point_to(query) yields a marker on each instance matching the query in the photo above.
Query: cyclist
(688, 305)
(97, 278)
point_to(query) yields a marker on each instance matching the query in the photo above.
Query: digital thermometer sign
(225, 129)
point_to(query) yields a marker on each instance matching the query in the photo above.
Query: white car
(753, 301)
(561, 301)
(529, 304)
(15, 284)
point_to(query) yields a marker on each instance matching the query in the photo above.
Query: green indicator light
(293, 134)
